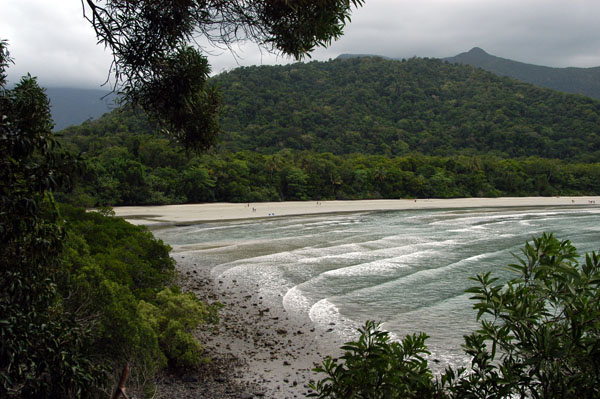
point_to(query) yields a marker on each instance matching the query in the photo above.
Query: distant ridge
(584, 81)
(350, 56)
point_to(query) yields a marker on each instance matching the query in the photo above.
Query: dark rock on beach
(252, 356)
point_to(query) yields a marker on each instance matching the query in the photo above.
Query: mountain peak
(570, 80)
(477, 51)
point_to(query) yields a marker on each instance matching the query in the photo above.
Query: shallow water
(407, 269)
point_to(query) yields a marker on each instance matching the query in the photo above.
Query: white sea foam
(394, 258)
(413, 281)
(486, 219)
(369, 249)
(363, 250)
(295, 301)
(325, 315)
(379, 267)
(259, 263)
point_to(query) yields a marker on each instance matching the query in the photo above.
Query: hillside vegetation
(356, 128)
(377, 106)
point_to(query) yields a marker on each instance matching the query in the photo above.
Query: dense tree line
(149, 170)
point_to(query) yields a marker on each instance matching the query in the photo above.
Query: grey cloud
(51, 39)
(549, 32)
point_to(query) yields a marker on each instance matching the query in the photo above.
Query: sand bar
(191, 213)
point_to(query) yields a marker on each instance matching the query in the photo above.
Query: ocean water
(406, 269)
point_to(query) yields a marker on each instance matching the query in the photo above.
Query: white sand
(189, 213)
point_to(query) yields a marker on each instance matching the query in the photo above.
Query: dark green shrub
(540, 332)
(174, 316)
(118, 276)
(375, 367)
(539, 338)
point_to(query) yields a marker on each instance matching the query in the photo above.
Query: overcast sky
(51, 40)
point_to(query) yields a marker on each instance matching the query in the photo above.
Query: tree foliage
(538, 338)
(387, 107)
(74, 285)
(375, 367)
(43, 349)
(153, 60)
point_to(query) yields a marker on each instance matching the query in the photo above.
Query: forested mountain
(376, 106)
(350, 129)
(72, 106)
(584, 81)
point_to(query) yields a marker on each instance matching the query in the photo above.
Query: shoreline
(168, 215)
(258, 349)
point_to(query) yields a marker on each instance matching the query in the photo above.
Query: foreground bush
(375, 367)
(539, 338)
(44, 350)
(73, 284)
(118, 277)
(172, 317)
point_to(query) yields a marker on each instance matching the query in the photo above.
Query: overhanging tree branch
(146, 37)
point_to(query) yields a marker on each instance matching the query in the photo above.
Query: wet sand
(272, 352)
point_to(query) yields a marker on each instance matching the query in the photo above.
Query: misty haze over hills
(70, 106)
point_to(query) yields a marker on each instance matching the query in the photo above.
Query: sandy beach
(192, 213)
(258, 350)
